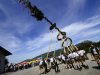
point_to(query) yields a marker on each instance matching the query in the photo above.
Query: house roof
(4, 51)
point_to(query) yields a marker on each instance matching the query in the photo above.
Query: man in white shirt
(52, 62)
(70, 56)
(82, 58)
(70, 61)
(63, 58)
(59, 58)
(41, 61)
(77, 60)
(43, 65)
(40, 67)
(81, 52)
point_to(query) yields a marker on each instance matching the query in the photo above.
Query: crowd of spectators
(16, 67)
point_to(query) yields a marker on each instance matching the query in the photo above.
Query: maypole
(35, 12)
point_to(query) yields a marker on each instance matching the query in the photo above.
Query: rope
(74, 47)
(63, 46)
(50, 43)
(71, 48)
(54, 53)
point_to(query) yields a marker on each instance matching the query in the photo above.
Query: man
(43, 65)
(48, 63)
(11, 67)
(63, 59)
(59, 58)
(40, 66)
(54, 64)
(69, 61)
(82, 58)
(95, 53)
(77, 60)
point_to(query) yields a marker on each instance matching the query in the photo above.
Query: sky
(25, 37)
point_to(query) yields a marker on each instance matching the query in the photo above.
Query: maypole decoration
(35, 12)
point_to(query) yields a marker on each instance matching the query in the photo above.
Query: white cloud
(10, 42)
(13, 21)
(73, 7)
(91, 33)
(77, 27)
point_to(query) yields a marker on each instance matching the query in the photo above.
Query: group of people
(16, 67)
(71, 60)
(75, 60)
(46, 65)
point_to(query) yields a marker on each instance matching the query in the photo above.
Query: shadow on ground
(96, 67)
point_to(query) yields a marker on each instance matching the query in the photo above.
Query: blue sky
(26, 37)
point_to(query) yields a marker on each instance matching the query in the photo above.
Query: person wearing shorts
(82, 58)
(77, 60)
(95, 53)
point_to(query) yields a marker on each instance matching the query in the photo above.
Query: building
(3, 54)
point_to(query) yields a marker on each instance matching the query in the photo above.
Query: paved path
(93, 70)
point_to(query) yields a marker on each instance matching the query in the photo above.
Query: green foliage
(86, 44)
